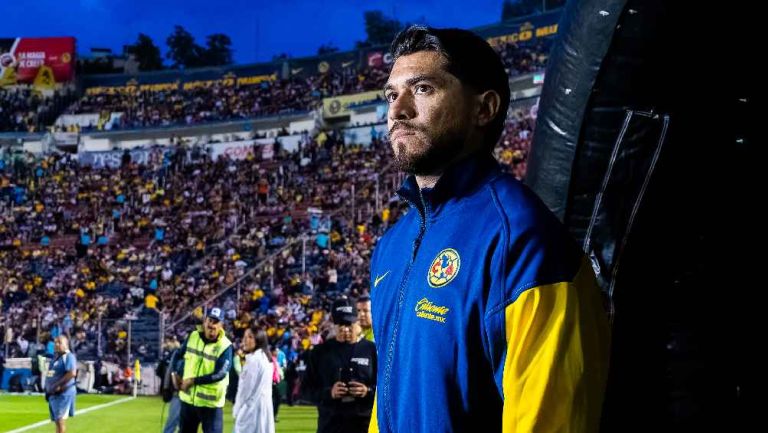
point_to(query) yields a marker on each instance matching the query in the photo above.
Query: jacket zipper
(400, 301)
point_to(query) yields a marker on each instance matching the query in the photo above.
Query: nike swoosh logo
(378, 279)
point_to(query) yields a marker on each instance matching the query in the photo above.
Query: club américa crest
(444, 268)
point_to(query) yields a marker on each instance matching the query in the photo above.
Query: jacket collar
(459, 180)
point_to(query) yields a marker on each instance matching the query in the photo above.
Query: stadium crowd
(24, 110)
(78, 243)
(218, 102)
(84, 249)
(164, 237)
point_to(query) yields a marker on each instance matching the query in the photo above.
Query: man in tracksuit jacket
(486, 313)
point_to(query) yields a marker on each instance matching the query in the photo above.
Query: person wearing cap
(203, 375)
(341, 375)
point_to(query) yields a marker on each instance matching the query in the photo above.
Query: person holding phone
(341, 375)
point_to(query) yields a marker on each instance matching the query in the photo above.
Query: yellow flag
(137, 371)
(44, 79)
(8, 78)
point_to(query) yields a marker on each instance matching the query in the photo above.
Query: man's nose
(402, 108)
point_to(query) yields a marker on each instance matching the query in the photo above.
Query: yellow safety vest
(200, 360)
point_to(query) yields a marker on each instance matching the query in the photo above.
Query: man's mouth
(400, 133)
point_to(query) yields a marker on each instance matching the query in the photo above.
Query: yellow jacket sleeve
(556, 359)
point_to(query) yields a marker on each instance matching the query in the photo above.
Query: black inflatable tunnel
(645, 147)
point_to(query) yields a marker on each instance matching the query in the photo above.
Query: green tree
(183, 50)
(218, 51)
(147, 54)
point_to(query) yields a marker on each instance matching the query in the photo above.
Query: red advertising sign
(378, 59)
(21, 59)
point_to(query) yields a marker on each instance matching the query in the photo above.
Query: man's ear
(488, 104)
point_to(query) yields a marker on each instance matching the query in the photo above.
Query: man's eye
(390, 97)
(423, 88)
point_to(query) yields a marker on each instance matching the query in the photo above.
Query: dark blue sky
(259, 29)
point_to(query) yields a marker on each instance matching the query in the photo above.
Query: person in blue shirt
(60, 384)
(174, 404)
(85, 238)
(322, 240)
(159, 234)
(485, 311)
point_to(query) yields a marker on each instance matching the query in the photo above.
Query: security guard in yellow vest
(207, 358)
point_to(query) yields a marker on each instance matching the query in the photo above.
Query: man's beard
(434, 157)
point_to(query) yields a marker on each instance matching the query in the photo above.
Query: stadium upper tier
(196, 96)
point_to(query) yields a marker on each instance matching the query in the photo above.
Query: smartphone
(345, 374)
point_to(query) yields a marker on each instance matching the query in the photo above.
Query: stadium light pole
(98, 338)
(162, 335)
(128, 346)
(6, 328)
(39, 325)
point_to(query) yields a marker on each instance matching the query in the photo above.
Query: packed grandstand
(129, 204)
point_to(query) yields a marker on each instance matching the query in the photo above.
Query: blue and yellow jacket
(485, 312)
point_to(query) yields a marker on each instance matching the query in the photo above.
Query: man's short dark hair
(469, 58)
(363, 299)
